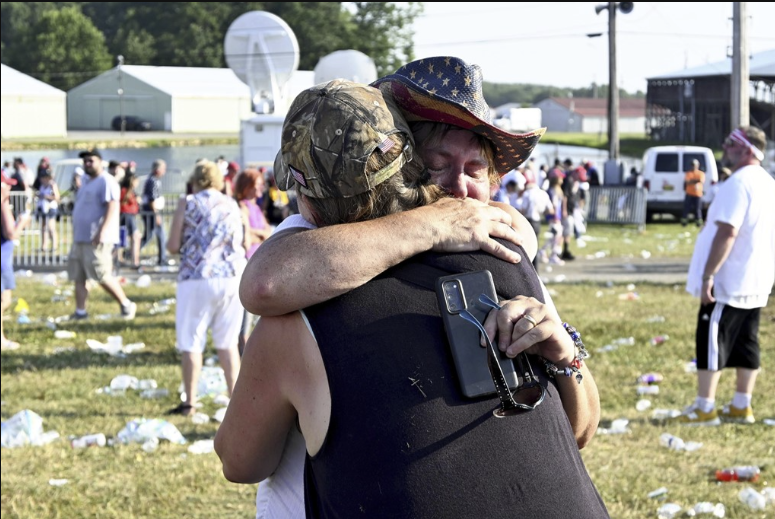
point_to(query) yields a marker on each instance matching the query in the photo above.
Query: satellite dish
(353, 65)
(263, 52)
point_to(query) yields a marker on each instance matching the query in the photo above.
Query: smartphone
(456, 293)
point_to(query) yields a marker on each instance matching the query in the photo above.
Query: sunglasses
(730, 143)
(529, 393)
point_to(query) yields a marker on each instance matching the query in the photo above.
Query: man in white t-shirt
(732, 272)
(534, 204)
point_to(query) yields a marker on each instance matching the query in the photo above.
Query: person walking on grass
(732, 272)
(11, 230)
(95, 234)
(207, 232)
(152, 206)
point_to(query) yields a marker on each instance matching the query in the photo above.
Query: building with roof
(693, 106)
(29, 107)
(173, 99)
(588, 115)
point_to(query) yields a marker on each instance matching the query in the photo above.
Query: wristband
(575, 366)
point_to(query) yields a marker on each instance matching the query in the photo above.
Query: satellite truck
(263, 52)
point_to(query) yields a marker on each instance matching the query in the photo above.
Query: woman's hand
(526, 324)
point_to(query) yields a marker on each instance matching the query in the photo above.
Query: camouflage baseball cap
(329, 134)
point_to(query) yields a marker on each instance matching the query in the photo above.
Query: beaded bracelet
(581, 353)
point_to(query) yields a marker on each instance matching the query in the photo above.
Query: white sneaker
(128, 312)
(555, 260)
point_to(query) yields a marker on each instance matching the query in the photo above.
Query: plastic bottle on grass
(669, 511)
(650, 378)
(90, 440)
(752, 498)
(671, 442)
(155, 393)
(648, 390)
(659, 339)
(739, 473)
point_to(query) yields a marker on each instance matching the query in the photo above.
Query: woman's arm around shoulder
(276, 384)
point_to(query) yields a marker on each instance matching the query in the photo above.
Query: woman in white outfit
(207, 232)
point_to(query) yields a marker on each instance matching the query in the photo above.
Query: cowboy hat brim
(418, 104)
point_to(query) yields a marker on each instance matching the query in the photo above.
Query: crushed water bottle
(64, 334)
(752, 498)
(121, 383)
(202, 447)
(141, 429)
(150, 445)
(769, 495)
(650, 378)
(705, 507)
(661, 491)
(155, 393)
(678, 444)
(147, 383)
(648, 390)
(669, 511)
(90, 440)
(200, 418)
(665, 414)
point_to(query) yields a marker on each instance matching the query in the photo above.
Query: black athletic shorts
(727, 337)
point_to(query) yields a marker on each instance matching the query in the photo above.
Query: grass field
(123, 481)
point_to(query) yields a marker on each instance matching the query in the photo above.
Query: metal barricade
(617, 204)
(28, 252)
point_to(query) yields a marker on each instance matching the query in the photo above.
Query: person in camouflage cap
(329, 134)
(372, 368)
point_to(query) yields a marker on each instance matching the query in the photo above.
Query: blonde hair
(207, 175)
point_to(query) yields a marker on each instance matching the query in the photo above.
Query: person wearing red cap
(232, 169)
(11, 229)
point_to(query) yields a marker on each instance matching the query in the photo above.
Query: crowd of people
(377, 191)
(557, 196)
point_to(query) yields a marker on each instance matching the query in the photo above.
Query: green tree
(384, 32)
(66, 48)
(16, 22)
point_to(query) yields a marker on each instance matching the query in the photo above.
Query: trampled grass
(124, 481)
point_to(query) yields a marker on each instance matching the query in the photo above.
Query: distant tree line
(67, 43)
(528, 94)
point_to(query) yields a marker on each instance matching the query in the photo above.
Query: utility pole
(613, 87)
(740, 102)
(611, 169)
(121, 94)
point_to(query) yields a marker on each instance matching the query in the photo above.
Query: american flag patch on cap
(298, 175)
(386, 145)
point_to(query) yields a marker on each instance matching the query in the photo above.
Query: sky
(546, 42)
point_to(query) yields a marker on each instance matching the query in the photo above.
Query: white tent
(30, 108)
(174, 99)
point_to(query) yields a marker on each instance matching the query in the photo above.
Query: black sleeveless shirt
(403, 442)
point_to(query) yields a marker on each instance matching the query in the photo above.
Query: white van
(664, 168)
